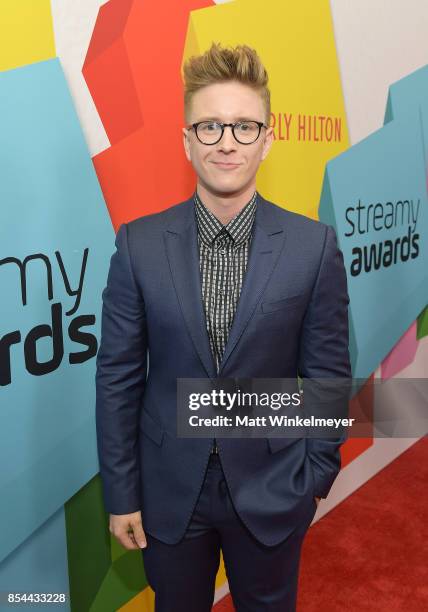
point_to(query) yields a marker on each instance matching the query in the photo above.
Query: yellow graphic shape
(295, 40)
(144, 601)
(26, 32)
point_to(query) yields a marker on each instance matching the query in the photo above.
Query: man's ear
(267, 142)
(186, 144)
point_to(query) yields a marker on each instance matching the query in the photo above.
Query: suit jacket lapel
(181, 243)
(266, 245)
(181, 240)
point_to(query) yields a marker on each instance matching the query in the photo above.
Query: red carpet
(370, 553)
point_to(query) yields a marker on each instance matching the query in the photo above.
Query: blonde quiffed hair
(220, 64)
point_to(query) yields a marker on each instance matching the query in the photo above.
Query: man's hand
(128, 530)
(317, 499)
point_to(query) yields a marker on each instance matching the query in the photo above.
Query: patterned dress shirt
(223, 257)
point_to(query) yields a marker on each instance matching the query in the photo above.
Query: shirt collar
(238, 228)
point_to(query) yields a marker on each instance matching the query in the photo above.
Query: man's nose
(227, 141)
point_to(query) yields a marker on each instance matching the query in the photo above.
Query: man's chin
(224, 188)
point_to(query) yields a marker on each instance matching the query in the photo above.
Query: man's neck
(225, 207)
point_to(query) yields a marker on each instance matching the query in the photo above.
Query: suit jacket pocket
(314, 487)
(292, 300)
(276, 444)
(151, 428)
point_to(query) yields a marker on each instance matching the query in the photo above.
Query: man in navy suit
(224, 284)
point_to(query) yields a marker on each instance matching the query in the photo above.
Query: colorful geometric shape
(376, 199)
(26, 33)
(52, 280)
(422, 324)
(139, 94)
(38, 565)
(401, 355)
(361, 407)
(404, 97)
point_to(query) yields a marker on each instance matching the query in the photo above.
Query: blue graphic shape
(39, 565)
(409, 96)
(388, 166)
(52, 208)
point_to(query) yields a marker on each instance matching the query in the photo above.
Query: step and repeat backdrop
(91, 110)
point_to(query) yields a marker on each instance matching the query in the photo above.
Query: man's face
(227, 167)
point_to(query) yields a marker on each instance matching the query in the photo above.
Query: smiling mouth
(225, 165)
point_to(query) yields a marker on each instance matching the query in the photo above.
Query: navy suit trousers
(261, 578)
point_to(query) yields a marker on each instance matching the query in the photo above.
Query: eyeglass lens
(210, 132)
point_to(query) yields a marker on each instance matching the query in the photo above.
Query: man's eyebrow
(219, 120)
(211, 118)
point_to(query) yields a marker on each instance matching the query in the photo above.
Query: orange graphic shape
(133, 70)
(361, 408)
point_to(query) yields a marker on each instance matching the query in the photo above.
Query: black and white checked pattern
(223, 258)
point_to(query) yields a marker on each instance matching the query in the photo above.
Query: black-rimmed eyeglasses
(211, 132)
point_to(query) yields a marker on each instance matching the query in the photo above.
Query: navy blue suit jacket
(292, 318)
